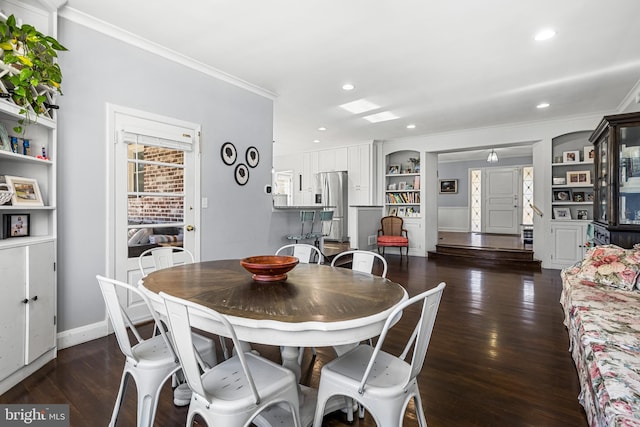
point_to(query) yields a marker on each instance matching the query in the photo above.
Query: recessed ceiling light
(348, 86)
(322, 128)
(542, 105)
(411, 126)
(545, 34)
(381, 117)
(316, 141)
(359, 106)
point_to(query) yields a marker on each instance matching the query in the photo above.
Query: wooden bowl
(269, 268)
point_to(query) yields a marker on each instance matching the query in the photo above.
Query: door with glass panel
(155, 192)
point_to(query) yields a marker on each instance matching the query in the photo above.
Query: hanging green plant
(32, 54)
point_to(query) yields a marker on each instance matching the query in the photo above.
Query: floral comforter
(604, 330)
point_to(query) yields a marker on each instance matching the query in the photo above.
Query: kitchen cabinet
(332, 160)
(617, 181)
(359, 175)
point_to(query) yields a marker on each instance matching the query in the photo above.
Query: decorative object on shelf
(393, 212)
(582, 214)
(391, 187)
(253, 157)
(571, 156)
(579, 178)
(14, 144)
(402, 185)
(493, 157)
(415, 164)
(578, 196)
(269, 268)
(242, 174)
(32, 71)
(5, 195)
(25, 191)
(589, 197)
(448, 186)
(589, 153)
(393, 169)
(562, 213)
(228, 153)
(562, 195)
(16, 225)
(5, 144)
(559, 181)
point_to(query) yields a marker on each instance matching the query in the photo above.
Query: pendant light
(493, 156)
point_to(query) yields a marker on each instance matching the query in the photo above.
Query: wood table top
(311, 293)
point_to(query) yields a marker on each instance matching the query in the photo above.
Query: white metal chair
(362, 261)
(235, 391)
(307, 254)
(166, 257)
(150, 361)
(381, 382)
(306, 219)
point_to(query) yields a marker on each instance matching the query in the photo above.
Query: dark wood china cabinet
(616, 209)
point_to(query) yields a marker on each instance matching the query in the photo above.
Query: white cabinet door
(41, 293)
(12, 310)
(332, 160)
(359, 174)
(568, 243)
(416, 236)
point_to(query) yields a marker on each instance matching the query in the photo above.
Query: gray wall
(460, 171)
(99, 69)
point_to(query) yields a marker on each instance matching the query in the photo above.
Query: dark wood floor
(498, 357)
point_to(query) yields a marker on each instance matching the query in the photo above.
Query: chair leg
(123, 389)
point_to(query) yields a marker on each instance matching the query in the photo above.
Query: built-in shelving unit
(402, 185)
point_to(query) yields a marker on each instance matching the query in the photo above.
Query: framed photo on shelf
(563, 195)
(580, 178)
(448, 186)
(578, 196)
(571, 156)
(589, 197)
(393, 169)
(25, 191)
(583, 214)
(16, 225)
(402, 185)
(402, 212)
(562, 213)
(589, 153)
(393, 212)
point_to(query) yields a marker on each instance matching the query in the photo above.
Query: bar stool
(306, 219)
(326, 221)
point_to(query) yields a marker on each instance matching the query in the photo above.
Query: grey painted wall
(99, 70)
(460, 171)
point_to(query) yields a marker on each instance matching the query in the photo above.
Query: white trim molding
(83, 334)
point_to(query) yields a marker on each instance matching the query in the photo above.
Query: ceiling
(441, 65)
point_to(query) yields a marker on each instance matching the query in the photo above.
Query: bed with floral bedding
(601, 302)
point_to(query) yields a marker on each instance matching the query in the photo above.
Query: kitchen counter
(302, 208)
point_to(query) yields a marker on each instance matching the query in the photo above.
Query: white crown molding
(630, 99)
(111, 30)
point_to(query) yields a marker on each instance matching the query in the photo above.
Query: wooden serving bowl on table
(269, 268)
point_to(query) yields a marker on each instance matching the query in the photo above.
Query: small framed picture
(589, 197)
(402, 212)
(559, 181)
(579, 178)
(589, 153)
(16, 225)
(402, 185)
(563, 195)
(583, 214)
(562, 213)
(25, 191)
(393, 169)
(391, 187)
(448, 186)
(393, 212)
(578, 196)
(571, 156)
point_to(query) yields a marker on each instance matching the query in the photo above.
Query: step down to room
(482, 256)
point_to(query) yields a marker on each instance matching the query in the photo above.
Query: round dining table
(316, 306)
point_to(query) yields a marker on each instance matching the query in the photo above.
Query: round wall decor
(242, 174)
(229, 153)
(253, 157)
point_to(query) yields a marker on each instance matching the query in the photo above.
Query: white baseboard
(83, 334)
(454, 230)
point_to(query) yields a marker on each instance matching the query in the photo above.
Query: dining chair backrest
(164, 257)
(306, 254)
(420, 337)
(363, 261)
(121, 321)
(179, 314)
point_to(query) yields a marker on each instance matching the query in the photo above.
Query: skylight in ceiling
(381, 117)
(359, 106)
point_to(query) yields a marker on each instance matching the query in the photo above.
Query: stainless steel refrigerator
(332, 190)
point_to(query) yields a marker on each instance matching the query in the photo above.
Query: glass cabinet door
(602, 181)
(629, 179)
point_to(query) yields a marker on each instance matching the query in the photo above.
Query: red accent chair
(393, 234)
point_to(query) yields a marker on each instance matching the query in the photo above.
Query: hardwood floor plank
(498, 357)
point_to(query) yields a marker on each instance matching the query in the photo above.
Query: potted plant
(34, 71)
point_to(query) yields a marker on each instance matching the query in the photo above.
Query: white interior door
(502, 195)
(155, 192)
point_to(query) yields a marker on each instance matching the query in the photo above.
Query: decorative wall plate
(253, 157)
(242, 174)
(229, 153)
